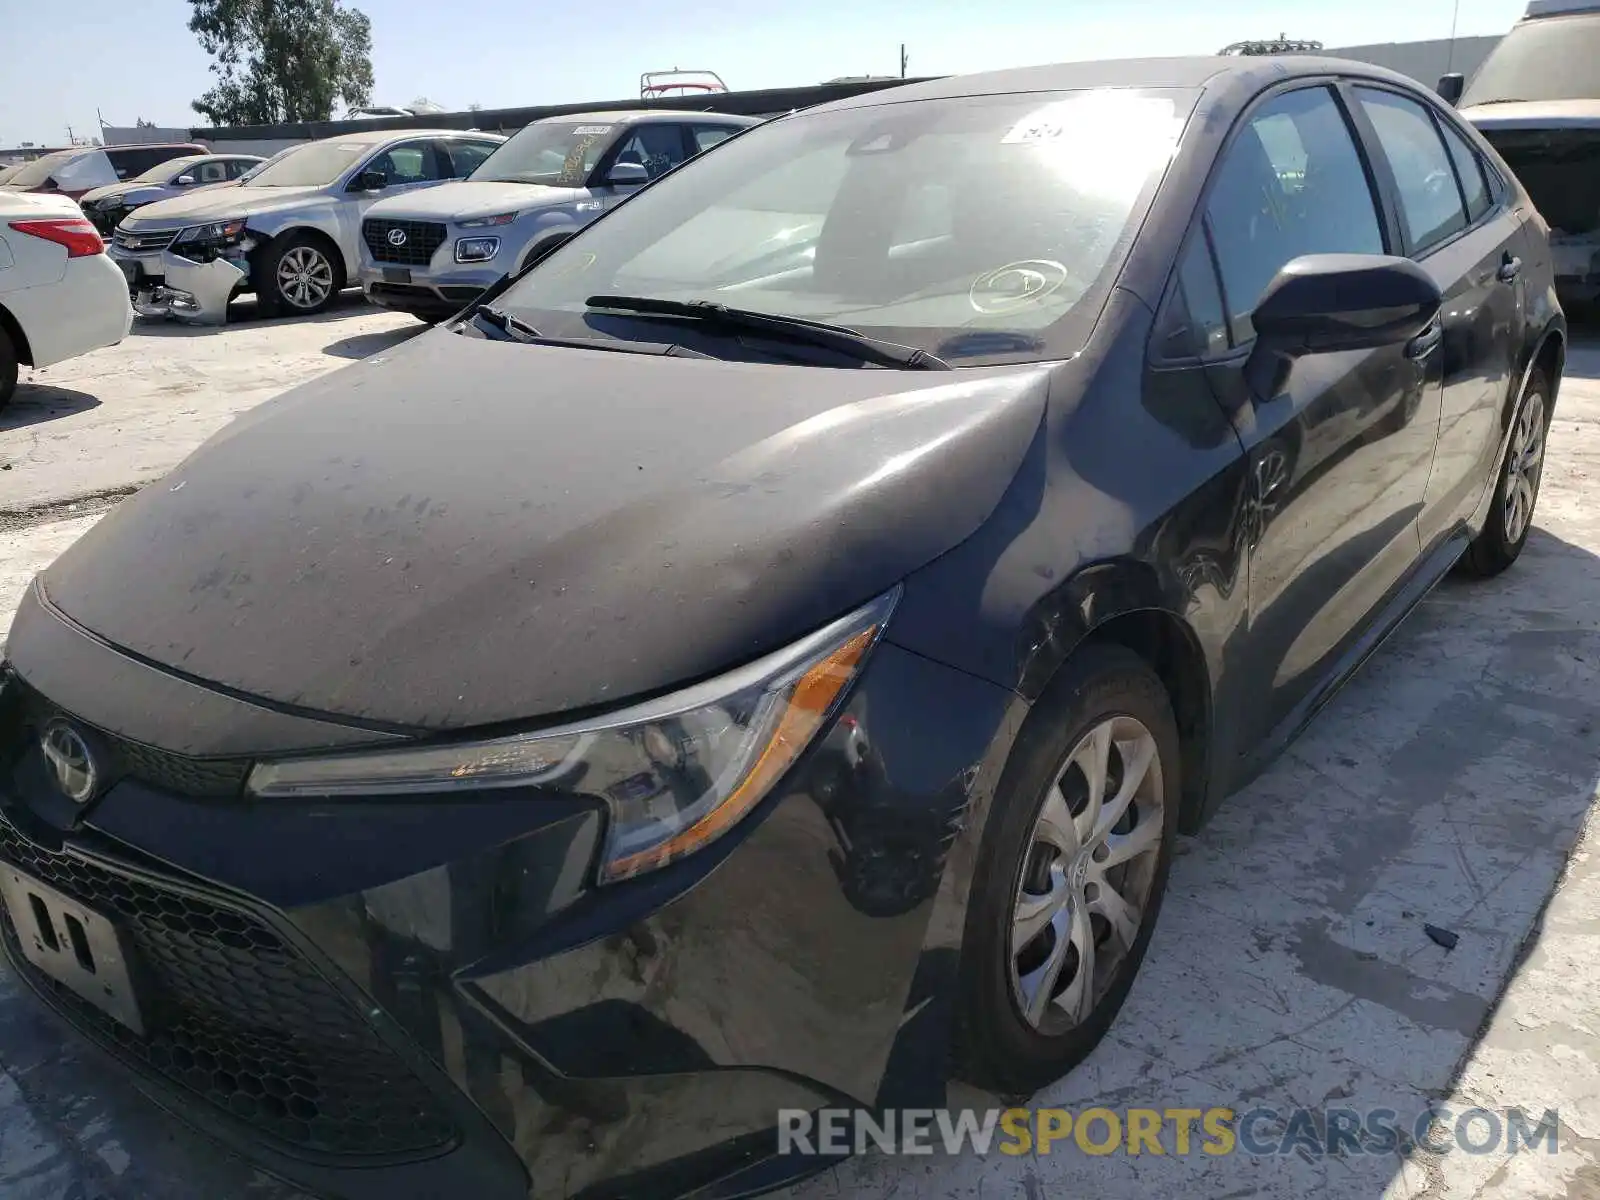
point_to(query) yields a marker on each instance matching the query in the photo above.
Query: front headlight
(675, 773)
(504, 218)
(217, 231)
(478, 249)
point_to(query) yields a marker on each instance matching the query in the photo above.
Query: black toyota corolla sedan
(760, 658)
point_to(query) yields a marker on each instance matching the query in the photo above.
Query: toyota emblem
(70, 762)
(397, 237)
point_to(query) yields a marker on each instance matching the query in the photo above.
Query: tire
(1516, 487)
(298, 276)
(8, 369)
(1102, 690)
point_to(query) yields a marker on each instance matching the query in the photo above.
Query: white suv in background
(60, 296)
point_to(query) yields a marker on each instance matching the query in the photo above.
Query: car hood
(140, 193)
(213, 204)
(465, 532)
(466, 200)
(1535, 114)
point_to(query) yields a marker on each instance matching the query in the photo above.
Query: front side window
(1430, 202)
(467, 157)
(971, 227)
(210, 172)
(707, 136)
(657, 148)
(1194, 324)
(1291, 183)
(409, 162)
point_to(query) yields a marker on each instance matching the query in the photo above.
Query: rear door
(1339, 455)
(1469, 240)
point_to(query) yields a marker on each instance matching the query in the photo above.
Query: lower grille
(417, 241)
(238, 1019)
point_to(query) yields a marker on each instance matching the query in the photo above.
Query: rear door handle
(1426, 342)
(1510, 268)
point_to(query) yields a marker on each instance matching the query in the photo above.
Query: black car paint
(637, 1039)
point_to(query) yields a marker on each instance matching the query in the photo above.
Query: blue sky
(129, 60)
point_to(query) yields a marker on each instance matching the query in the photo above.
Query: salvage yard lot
(1448, 784)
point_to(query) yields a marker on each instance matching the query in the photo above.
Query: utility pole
(903, 60)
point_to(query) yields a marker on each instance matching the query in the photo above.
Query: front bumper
(533, 1034)
(431, 291)
(165, 284)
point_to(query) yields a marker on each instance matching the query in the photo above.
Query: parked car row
(423, 220)
(762, 656)
(81, 169)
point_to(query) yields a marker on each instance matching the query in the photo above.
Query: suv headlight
(675, 773)
(217, 231)
(477, 249)
(498, 219)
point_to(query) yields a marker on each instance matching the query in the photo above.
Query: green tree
(282, 60)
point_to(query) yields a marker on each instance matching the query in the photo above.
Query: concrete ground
(1451, 783)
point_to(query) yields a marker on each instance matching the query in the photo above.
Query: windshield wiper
(797, 329)
(514, 328)
(517, 330)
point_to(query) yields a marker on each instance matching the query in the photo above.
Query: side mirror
(546, 248)
(369, 181)
(184, 181)
(627, 174)
(1327, 303)
(1451, 86)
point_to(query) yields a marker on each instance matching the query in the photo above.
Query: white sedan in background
(60, 296)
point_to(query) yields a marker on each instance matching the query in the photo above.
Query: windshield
(40, 169)
(162, 172)
(972, 227)
(1550, 58)
(555, 153)
(315, 164)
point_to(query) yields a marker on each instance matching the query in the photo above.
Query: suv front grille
(237, 1018)
(420, 240)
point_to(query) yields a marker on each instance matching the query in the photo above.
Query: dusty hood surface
(465, 200)
(464, 532)
(137, 193)
(218, 203)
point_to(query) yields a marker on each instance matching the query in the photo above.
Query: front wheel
(1505, 530)
(299, 276)
(1071, 873)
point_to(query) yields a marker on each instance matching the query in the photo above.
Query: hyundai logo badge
(397, 237)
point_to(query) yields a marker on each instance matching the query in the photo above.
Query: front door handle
(1510, 268)
(1426, 342)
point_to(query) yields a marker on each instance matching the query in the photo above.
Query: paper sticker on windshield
(351, 146)
(581, 130)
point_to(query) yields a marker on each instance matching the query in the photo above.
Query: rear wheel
(8, 369)
(1071, 874)
(299, 276)
(1505, 530)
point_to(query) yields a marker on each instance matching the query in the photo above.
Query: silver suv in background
(107, 206)
(289, 233)
(1536, 99)
(432, 254)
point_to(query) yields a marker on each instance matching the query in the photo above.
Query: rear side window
(1469, 169)
(1430, 202)
(1291, 183)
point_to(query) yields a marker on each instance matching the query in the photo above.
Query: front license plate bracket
(73, 945)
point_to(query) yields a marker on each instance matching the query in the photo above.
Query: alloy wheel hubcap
(1087, 875)
(305, 277)
(1524, 465)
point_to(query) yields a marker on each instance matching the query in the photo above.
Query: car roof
(1185, 73)
(633, 116)
(148, 146)
(376, 137)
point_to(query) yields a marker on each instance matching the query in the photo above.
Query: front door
(1339, 455)
(1469, 242)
